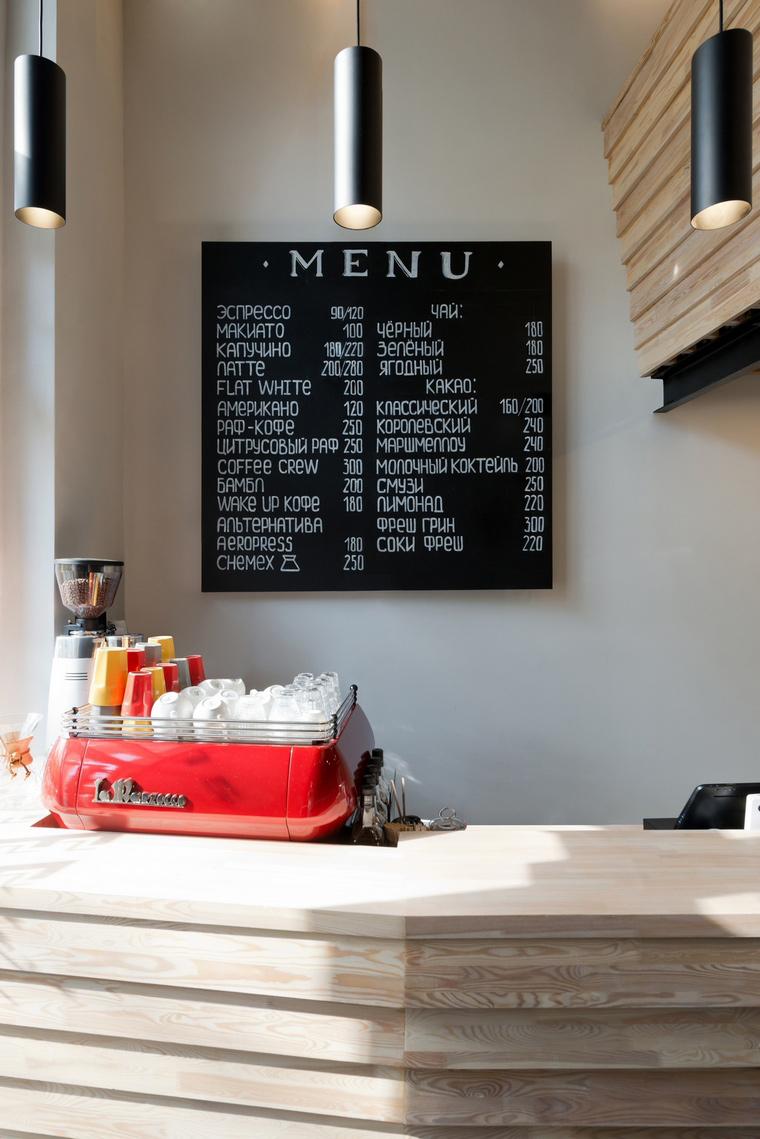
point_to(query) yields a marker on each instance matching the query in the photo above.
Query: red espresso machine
(234, 778)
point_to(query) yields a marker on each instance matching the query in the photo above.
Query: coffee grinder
(87, 587)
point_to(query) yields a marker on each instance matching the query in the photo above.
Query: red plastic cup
(138, 696)
(171, 675)
(135, 659)
(195, 664)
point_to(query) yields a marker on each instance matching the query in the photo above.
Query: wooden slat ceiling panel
(684, 284)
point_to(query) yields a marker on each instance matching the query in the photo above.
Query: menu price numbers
(531, 409)
(534, 347)
(533, 543)
(350, 351)
(353, 429)
(530, 405)
(534, 522)
(347, 312)
(339, 368)
(353, 559)
(337, 349)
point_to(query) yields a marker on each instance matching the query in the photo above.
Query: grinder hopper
(88, 587)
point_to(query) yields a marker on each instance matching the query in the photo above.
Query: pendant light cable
(358, 21)
(721, 15)
(40, 27)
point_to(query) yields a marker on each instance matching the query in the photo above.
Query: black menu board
(376, 416)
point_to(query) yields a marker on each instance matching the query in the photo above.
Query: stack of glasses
(306, 700)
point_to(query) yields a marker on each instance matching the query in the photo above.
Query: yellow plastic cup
(109, 678)
(158, 680)
(137, 727)
(167, 646)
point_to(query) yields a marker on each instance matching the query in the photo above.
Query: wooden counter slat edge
(371, 921)
(81, 1113)
(340, 1032)
(564, 1039)
(587, 974)
(87, 1113)
(577, 1133)
(456, 1133)
(707, 884)
(590, 926)
(214, 1075)
(613, 1099)
(338, 969)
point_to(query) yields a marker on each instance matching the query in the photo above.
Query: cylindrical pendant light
(358, 136)
(40, 140)
(721, 129)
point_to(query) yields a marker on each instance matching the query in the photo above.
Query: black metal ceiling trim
(732, 353)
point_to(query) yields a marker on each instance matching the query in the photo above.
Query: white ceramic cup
(170, 706)
(229, 698)
(206, 718)
(213, 687)
(237, 685)
(194, 694)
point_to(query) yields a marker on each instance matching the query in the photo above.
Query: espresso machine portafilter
(87, 587)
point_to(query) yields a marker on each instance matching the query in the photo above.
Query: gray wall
(27, 409)
(609, 697)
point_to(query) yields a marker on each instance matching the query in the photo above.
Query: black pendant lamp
(721, 129)
(358, 135)
(40, 140)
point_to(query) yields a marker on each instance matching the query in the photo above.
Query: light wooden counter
(499, 983)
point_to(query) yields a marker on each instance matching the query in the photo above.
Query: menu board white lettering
(376, 416)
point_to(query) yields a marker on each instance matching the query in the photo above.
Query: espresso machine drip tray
(234, 778)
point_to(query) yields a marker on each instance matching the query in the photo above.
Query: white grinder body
(70, 680)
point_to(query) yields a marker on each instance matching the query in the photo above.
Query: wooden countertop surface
(619, 881)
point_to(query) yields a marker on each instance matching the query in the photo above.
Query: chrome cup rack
(86, 724)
